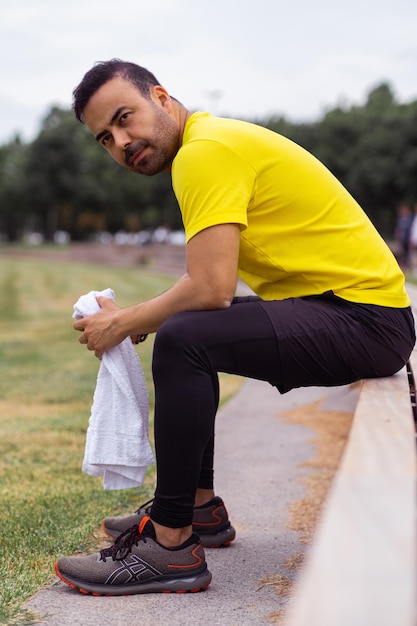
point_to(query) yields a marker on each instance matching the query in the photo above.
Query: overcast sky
(235, 57)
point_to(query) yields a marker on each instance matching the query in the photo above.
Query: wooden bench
(362, 567)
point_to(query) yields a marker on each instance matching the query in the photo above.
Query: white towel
(117, 444)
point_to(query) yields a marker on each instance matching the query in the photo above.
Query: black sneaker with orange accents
(137, 563)
(210, 522)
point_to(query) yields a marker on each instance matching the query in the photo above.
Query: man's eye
(105, 139)
(124, 117)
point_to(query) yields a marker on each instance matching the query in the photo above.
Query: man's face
(141, 135)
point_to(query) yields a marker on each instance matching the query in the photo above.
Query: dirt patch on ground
(331, 430)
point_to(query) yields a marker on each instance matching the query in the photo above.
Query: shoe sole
(221, 539)
(190, 584)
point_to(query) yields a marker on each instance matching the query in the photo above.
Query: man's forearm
(186, 295)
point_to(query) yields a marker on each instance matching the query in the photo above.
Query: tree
(379, 176)
(13, 196)
(75, 186)
(52, 170)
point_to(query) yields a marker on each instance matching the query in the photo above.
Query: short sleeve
(213, 185)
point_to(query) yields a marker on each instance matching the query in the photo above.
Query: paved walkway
(258, 458)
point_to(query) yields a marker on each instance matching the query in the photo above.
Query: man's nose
(121, 138)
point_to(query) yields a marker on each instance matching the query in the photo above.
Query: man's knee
(175, 331)
(178, 339)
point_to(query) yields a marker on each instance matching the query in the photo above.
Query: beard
(161, 148)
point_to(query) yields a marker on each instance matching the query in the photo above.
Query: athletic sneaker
(137, 563)
(210, 522)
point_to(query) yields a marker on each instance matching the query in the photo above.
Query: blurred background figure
(413, 240)
(403, 231)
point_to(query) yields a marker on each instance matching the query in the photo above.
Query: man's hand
(101, 331)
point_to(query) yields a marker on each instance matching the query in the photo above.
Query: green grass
(48, 507)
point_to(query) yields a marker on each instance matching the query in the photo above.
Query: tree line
(64, 181)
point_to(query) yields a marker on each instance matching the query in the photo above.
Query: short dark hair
(101, 73)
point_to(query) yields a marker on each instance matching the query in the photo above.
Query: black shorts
(325, 340)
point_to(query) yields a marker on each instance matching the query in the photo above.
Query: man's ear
(161, 97)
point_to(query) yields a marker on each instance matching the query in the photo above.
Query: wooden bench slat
(362, 567)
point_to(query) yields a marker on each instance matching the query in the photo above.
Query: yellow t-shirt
(302, 233)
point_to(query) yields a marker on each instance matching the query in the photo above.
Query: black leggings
(297, 342)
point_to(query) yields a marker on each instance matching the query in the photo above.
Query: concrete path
(258, 459)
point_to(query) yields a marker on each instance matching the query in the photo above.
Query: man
(331, 307)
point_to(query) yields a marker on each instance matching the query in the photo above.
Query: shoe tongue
(146, 527)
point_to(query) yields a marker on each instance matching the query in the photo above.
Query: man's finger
(106, 303)
(78, 325)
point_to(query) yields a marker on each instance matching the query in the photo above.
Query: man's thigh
(289, 343)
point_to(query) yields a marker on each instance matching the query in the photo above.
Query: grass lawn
(48, 507)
